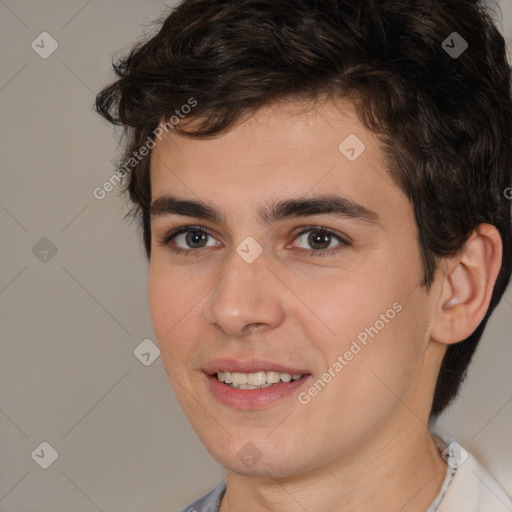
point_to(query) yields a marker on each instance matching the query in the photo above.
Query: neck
(389, 473)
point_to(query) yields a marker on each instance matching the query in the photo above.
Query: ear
(467, 286)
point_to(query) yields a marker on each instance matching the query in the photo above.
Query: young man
(322, 190)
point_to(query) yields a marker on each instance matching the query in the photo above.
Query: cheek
(364, 379)
(369, 321)
(172, 299)
(389, 360)
(338, 309)
(160, 298)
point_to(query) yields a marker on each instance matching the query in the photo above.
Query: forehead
(282, 150)
(286, 130)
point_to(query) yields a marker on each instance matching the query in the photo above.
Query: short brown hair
(445, 121)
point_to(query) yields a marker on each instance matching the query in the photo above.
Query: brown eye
(320, 239)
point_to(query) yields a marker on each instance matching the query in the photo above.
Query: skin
(362, 443)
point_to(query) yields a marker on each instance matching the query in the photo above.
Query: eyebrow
(334, 205)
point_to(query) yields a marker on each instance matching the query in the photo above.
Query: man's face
(352, 318)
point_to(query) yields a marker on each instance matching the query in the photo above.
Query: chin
(257, 458)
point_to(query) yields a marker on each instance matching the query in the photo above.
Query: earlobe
(467, 286)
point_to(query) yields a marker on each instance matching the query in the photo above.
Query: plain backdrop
(73, 292)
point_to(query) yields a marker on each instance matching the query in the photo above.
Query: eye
(320, 240)
(188, 238)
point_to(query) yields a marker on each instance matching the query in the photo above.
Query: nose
(247, 298)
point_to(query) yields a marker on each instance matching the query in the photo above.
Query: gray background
(72, 320)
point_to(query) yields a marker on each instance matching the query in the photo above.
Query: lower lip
(252, 398)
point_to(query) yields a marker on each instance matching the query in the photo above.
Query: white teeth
(254, 380)
(239, 378)
(273, 377)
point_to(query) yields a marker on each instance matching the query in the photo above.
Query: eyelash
(166, 241)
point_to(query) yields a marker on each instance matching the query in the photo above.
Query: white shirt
(467, 487)
(472, 488)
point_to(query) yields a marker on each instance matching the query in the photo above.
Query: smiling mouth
(257, 380)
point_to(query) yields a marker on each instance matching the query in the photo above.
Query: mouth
(252, 384)
(257, 380)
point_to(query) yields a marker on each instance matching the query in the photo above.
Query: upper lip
(249, 366)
